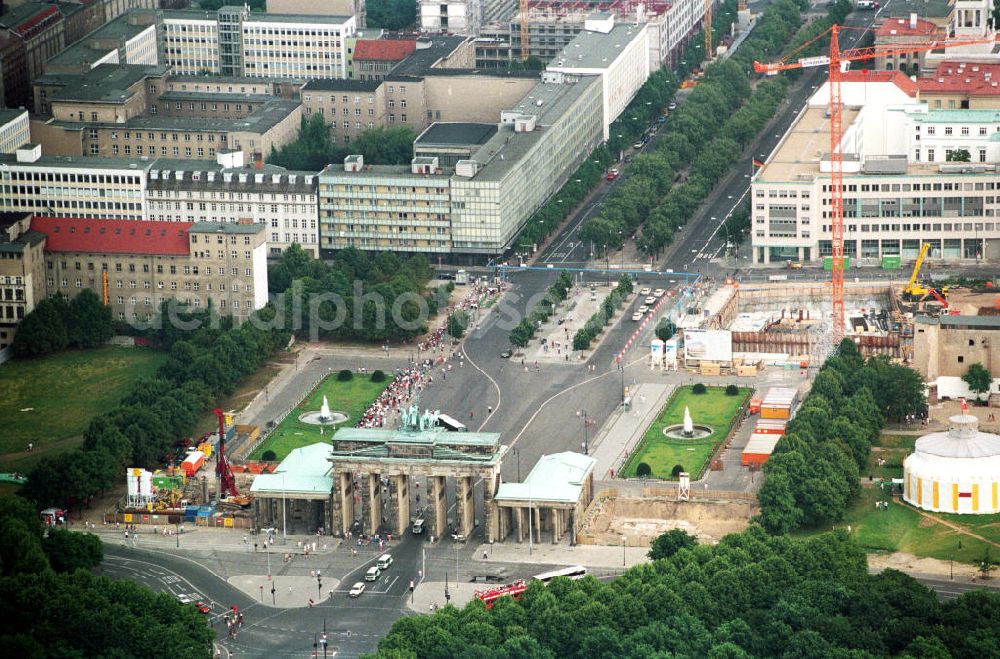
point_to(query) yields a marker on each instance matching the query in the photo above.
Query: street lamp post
(621, 367)
(623, 551)
(323, 639)
(517, 457)
(586, 439)
(319, 585)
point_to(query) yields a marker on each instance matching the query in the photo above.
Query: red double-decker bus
(489, 596)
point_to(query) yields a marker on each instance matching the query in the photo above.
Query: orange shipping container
(758, 449)
(776, 412)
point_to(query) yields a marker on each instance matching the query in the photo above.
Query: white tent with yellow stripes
(957, 471)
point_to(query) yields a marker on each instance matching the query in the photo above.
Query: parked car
(638, 145)
(506, 354)
(357, 589)
(612, 174)
(672, 107)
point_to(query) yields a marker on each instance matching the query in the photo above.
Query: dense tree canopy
(57, 323)
(814, 472)
(52, 606)
(751, 595)
(314, 148)
(391, 14)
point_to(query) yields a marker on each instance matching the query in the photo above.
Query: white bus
(450, 424)
(574, 572)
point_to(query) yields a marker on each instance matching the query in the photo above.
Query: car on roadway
(373, 573)
(203, 608)
(506, 354)
(672, 107)
(612, 174)
(638, 145)
(357, 589)
(649, 300)
(644, 292)
(637, 316)
(643, 309)
(658, 292)
(184, 599)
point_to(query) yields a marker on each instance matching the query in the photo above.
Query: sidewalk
(624, 429)
(432, 592)
(200, 538)
(546, 553)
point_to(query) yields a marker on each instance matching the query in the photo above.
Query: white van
(384, 561)
(418, 526)
(372, 574)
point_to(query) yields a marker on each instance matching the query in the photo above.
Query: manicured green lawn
(901, 528)
(64, 392)
(712, 408)
(351, 398)
(896, 441)
(893, 466)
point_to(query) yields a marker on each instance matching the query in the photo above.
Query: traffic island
(288, 592)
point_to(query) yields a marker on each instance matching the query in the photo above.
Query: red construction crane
(834, 61)
(227, 482)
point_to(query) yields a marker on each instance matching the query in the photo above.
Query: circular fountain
(323, 417)
(688, 430)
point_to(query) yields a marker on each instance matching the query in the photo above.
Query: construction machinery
(836, 61)
(227, 482)
(916, 291)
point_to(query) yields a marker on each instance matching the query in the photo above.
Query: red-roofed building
(374, 58)
(899, 31)
(961, 85)
(134, 265)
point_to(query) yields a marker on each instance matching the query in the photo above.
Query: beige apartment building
(22, 272)
(135, 265)
(15, 130)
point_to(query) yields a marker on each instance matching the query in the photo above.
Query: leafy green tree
(979, 379)
(44, 330)
(582, 339)
(68, 551)
(88, 320)
(458, 322)
(958, 155)
(665, 329)
(667, 544)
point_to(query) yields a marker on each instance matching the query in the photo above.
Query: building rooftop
(389, 50)
(77, 162)
(903, 27)
(189, 15)
(207, 95)
(224, 227)
(82, 52)
(962, 78)
(425, 58)
(982, 116)
(456, 134)
(21, 239)
(24, 17)
(546, 101)
(68, 234)
(337, 85)
(594, 50)
(105, 83)
(557, 478)
(898, 78)
(305, 470)
(297, 18)
(961, 321)
(8, 115)
(797, 158)
(262, 119)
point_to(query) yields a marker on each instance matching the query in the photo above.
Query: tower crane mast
(835, 60)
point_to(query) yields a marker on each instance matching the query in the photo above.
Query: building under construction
(551, 25)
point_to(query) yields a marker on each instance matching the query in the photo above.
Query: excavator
(916, 292)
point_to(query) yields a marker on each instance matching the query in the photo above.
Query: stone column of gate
(556, 525)
(466, 509)
(402, 503)
(342, 503)
(438, 505)
(491, 512)
(520, 515)
(373, 513)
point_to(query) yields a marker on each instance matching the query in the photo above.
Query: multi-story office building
(79, 18)
(136, 265)
(129, 39)
(552, 25)
(904, 180)
(619, 54)
(354, 8)
(113, 188)
(470, 187)
(374, 58)
(22, 272)
(450, 17)
(282, 201)
(234, 42)
(29, 35)
(15, 130)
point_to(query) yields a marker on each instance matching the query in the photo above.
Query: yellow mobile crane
(916, 291)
